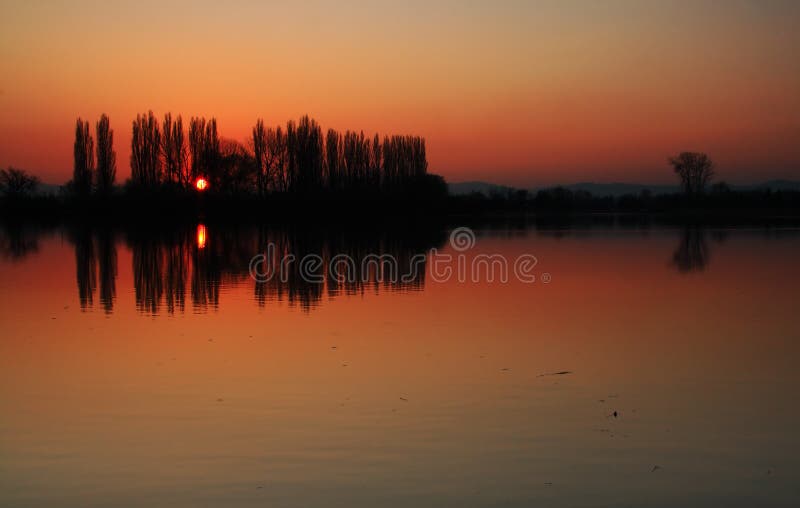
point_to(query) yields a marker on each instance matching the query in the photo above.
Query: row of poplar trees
(300, 158)
(95, 167)
(297, 157)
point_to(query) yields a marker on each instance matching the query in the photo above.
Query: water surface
(142, 368)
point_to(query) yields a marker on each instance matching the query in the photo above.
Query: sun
(201, 184)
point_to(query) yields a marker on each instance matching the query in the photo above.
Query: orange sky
(522, 93)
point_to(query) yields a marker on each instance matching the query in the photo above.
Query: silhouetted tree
(236, 168)
(277, 159)
(204, 148)
(16, 183)
(146, 151)
(106, 157)
(260, 156)
(197, 136)
(333, 158)
(375, 161)
(290, 169)
(695, 170)
(174, 151)
(83, 152)
(307, 154)
(404, 159)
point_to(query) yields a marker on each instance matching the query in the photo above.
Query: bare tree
(695, 170)
(277, 159)
(375, 161)
(308, 154)
(106, 157)
(260, 156)
(332, 158)
(197, 136)
(16, 183)
(83, 152)
(205, 150)
(174, 151)
(237, 171)
(146, 151)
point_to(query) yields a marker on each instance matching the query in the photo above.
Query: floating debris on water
(559, 373)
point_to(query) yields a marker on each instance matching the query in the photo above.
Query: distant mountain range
(608, 189)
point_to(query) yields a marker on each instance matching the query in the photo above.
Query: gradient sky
(521, 93)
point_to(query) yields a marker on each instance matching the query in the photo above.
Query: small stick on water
(559, 373)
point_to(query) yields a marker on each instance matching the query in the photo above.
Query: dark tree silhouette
(695, 170)
(237, 170)
(204, 148)
(333, 162)
(83, 152)
(106, 157)
(307, 154)
(260, 156)
(375, 161)
(16, 183)
(276, 159)
(174, 151)
(146, 151)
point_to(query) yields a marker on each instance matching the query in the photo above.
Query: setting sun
(201, 184)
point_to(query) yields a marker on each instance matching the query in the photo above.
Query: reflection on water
(693, 251)
(165, 261)
(17, 241)
(168, 376)
(164, 264)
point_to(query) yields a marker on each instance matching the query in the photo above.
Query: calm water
(149, 369)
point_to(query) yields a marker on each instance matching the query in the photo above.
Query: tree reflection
(18, 241)
(693, 252)
(219, 258)
(107, 263)
(85, 266)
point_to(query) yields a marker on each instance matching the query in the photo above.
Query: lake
(622, 365)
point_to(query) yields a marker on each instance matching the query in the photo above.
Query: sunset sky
(521, 93)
